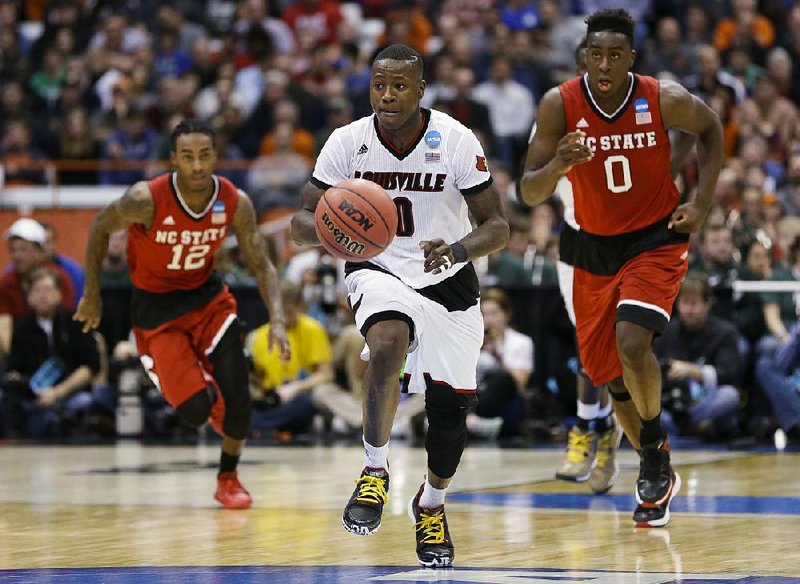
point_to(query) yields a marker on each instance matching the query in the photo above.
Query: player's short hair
(611, 20)
(696, 284)
(191, 127)
(401, 53)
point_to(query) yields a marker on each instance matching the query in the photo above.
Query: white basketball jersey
(563, 191)
(428, 182)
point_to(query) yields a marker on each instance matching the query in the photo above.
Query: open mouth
(604, 85)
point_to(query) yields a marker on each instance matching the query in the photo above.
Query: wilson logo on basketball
(357, 215)
(351, 245)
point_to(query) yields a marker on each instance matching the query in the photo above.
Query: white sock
(588, 411)
(431, 497)
(604, 411)
(376, 456)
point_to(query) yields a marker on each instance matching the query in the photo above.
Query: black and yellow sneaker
(362, 514)
(434, 546)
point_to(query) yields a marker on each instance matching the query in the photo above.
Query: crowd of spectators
(108, 79)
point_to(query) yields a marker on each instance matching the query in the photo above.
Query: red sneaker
(230, 491)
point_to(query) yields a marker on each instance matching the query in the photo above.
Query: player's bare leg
(625, 411)
(658, 483)
(388, 343)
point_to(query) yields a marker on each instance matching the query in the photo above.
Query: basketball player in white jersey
(420, 296)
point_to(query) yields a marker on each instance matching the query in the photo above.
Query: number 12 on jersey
(194, 259)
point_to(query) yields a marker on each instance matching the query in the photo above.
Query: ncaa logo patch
(218, 214)
(433, 139)
(642, 109)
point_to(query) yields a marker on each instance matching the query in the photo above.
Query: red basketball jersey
(627, 185)
(177, 251)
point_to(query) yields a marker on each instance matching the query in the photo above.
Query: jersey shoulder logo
(480, 163)
(362, 150)
(168, 220)
(582, 123)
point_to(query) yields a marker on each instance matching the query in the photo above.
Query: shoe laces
(604, 447)
(432, 526)
(371, 490)
(578, 447)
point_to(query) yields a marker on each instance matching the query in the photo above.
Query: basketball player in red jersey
(184, 317)
(607, 132)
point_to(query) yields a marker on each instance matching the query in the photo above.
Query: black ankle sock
(604, 424)
(582, 424)
(652, 433)
(228, 462)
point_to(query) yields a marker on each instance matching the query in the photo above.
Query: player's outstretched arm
(552, 152)
(135, 206)
(490, 234)
(251, 243)
(684, 111)
(303, 221)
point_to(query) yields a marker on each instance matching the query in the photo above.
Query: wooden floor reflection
(738, 515)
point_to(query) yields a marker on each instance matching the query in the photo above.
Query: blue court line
(348, 575)
(693, 504)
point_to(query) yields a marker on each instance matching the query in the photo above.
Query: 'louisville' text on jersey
(423, 182)
(621, 141)
(190, 237)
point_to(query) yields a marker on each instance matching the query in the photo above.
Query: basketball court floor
(129, 513)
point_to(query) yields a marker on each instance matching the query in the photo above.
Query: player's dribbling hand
(687, 218)
(277, 339)
(571, 151)
(89, 311)
(438, 255)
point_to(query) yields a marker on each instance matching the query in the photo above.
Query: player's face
(194, 158)
(609, 57)
(395, 91)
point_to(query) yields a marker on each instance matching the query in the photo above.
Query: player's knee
(388, 338)
(633, 345)
(196, 409)
(447, 427)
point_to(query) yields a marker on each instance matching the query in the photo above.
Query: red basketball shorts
(176, 354)
(642, 291)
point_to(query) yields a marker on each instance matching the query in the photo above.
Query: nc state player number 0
(611, 179)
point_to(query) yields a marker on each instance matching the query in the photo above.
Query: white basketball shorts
(446, 344)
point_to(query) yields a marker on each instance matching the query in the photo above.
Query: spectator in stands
(718, 262)
(504, 368)
(511, 111)
(283, 389)
(710, 79)
(746, 23)
(319, 19)
(22, 161)
(465, 109)
(52, 362)
(300, 140)
(780, 308)
(700, 361)
(187, 33)
(170, 60)
(72, 267)
(76, 141)
(667, 52)
(114, 272)
(779, 378)
(133, 142)
(46, 82)
(749, 308)
(26, 240)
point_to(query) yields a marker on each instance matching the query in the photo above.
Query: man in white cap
(26, 238)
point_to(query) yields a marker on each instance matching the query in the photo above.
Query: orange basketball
(355, 220)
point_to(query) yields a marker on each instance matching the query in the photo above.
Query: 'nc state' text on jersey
(632, 141)
(423, 182)
(190, 237)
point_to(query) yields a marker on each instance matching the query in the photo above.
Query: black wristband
(459, 252)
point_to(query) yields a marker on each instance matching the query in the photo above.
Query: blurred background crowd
(90, 89)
